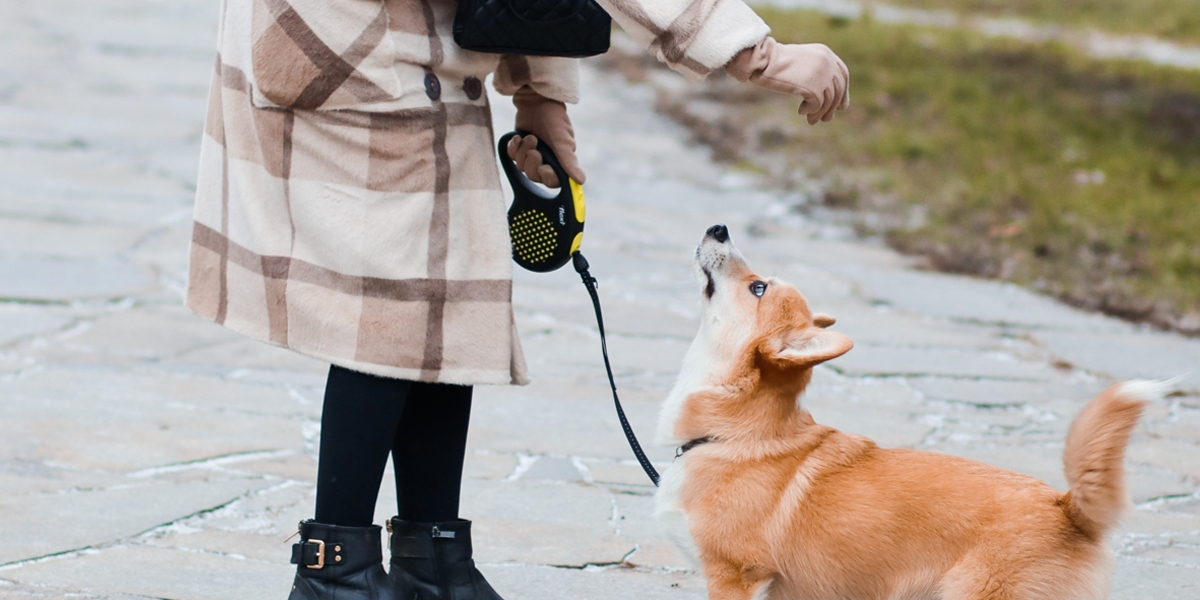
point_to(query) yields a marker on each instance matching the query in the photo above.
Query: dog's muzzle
(715, 249)
(712, 255)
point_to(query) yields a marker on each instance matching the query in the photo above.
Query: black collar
(692, 444)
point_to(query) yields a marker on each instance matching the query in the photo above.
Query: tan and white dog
(773, 505)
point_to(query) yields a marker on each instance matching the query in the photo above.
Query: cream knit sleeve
(693, 37)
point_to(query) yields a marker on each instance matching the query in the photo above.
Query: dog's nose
(719, 233)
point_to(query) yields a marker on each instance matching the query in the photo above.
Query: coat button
(473, 87)
(433, 87)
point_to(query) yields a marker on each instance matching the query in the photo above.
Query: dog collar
(692, 444)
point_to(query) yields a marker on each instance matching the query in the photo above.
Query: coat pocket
(322, 54)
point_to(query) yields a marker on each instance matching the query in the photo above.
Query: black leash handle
(581, 267)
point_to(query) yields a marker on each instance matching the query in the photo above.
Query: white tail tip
(1149, 390)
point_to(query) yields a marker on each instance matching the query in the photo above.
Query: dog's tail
(1095, 454)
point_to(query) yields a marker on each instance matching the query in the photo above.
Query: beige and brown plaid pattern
(296, 66)
(347, 210)
(694, 37)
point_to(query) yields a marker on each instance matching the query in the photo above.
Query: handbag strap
(581, 267)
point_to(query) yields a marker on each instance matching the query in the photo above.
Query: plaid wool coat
(348, 204)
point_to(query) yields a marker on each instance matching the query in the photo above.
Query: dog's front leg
(732, 582)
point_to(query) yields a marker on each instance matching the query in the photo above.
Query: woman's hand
(811, 71)
(547, 120)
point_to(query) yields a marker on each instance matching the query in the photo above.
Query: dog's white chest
(670, 514)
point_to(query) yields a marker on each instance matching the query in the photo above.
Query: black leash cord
(581, 267)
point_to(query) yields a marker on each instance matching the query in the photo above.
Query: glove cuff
(751, 61)
(530, 103)
(547, 119)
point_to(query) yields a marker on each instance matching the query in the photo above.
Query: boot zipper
(443, 587)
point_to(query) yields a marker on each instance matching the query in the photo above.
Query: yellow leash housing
(546, 227)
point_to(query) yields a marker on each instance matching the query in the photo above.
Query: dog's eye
(758, 288)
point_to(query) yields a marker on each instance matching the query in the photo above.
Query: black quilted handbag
(574, 28)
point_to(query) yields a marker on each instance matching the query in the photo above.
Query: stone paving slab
(49, 279)
(147, 453)
(593, 584)
(39, 525)
(161, 573)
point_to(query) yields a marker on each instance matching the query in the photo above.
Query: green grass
(1026, 162)
(1173, 19)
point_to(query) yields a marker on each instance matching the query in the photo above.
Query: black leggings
(423, 425)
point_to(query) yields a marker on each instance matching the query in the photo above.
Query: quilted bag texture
(572, 28)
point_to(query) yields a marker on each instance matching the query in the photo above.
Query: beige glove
(811, 71)
(547, 120)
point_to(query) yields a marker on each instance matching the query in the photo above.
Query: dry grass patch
(1025, 162)
(1029, 163)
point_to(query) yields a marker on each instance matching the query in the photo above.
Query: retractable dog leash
(547, 232)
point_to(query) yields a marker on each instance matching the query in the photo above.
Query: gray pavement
(145, 453)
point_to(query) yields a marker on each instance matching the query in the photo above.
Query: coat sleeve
(693, 37)
(550, 76)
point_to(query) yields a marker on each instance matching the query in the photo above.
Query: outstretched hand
(811, 71)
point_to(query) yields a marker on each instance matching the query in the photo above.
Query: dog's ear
(811, 347)
(823, 320)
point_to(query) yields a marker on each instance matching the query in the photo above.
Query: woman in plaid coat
(348, 207)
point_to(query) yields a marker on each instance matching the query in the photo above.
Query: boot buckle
(320, 554)
(438, 533)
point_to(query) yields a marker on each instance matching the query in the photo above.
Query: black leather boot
(339, 563)
(432, 561)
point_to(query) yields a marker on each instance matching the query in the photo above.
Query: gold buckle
(320, 554)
